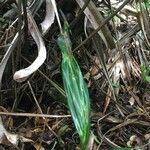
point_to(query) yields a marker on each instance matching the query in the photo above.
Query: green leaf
(147, 4)
(147, 78)
(145, 70)
(75, 88)
(115, 85)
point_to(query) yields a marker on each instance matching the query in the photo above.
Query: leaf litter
(111, 45)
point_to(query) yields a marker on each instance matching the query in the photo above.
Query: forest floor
(111, 44)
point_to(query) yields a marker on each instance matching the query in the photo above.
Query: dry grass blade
(101, 57)
(7, 55)
(56, 13)
(34, 115)
(49, 80)
(145, 21)
(35, 5)
(102, 24)
(96, 19)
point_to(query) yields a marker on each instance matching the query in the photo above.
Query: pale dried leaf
(23, 74)
(56, 13)
(49, 18)
(12, 138)
(131, 101)
(7, 55)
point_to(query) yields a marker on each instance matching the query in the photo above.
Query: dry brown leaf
(107, 100)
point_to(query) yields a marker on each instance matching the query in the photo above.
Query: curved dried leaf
(23, 74)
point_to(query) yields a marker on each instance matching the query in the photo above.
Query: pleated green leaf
(75, 88)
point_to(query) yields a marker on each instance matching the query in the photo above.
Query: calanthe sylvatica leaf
(75, 88)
